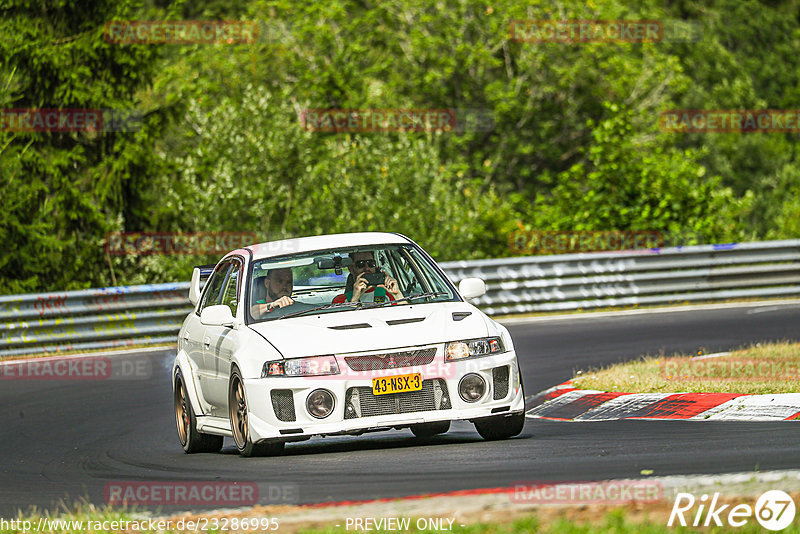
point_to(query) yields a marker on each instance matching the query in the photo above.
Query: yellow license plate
(396, 384)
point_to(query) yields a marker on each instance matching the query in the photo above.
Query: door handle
(186, 336)
(206, 342)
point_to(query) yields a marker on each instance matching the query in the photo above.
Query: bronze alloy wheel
(181, 413)
(238, 412)
(240, 428)
(191, 439)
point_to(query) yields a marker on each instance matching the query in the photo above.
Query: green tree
(62, 191)
(630, 182)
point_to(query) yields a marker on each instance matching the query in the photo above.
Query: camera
(373, 279)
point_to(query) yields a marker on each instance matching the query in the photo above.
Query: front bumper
(272, 399)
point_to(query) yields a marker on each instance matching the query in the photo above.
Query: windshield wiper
(316, 288)
(361, 304)
(406, 299)
(323, 307)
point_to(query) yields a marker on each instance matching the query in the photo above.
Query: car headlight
(458, 350)
(312, 366)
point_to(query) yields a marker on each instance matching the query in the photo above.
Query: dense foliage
(574, 142)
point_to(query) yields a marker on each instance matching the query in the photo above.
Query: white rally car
(338, 334)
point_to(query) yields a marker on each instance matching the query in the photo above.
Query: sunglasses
(365, 263)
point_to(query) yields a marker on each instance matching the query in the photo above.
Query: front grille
(393, 360)
(283, 404)
(500, 381)
(361, 402)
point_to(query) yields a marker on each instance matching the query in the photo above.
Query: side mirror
(194, 287)
(219, 315)
(471, 288)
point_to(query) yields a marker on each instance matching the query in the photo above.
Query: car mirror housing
(471, 288)
(194, 287)
(334, 262)
(219, 315)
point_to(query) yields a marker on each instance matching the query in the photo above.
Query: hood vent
(350, 326)
(457, 316)
(394, 322)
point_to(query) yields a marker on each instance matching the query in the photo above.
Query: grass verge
(759, 369)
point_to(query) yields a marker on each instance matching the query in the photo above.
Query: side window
(230, 295)
(429, 278)
(423, 278)
(398, 268)
(211, 296)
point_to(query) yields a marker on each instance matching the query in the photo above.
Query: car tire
(191, 440)
(500, 426)
(427, 430)
(237, 411)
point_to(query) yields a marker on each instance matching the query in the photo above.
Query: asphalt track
(62, 441)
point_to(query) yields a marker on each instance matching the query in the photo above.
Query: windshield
(342, 280)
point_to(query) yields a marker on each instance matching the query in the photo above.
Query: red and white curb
(565, 403)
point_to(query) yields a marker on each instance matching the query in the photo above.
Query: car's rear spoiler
(200, 274)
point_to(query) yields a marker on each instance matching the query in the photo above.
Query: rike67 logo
(774, 510)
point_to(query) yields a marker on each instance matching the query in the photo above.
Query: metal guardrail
(149, 314)
(641, 277)
(92, 318)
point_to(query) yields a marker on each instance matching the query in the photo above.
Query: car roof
(307, 244)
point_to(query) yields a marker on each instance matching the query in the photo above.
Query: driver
(364, 263)
(279, 284)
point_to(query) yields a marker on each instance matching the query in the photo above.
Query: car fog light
(472, 387)
(320, 403)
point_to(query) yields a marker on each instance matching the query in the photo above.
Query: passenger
(279, 284)
(361, 291)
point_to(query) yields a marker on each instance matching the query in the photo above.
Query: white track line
(85, 354)
(774, 305)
